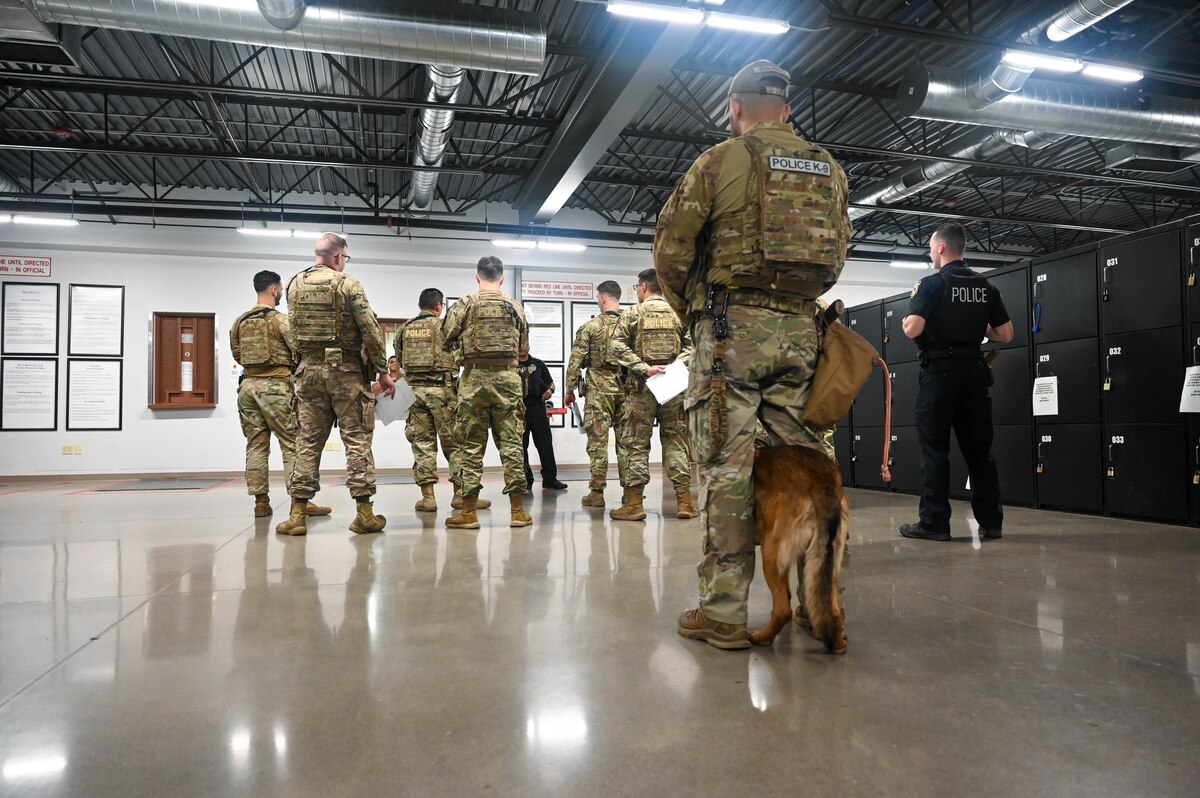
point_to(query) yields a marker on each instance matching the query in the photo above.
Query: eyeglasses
(342, 255)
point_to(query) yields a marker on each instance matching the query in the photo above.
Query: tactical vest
(256, 339)
(421, 351)
(961, 320)
(658, 341)
(493, 328)
(318, 315)
(601, 335)
(790, 237)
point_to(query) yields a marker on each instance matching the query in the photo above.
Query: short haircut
(610, 289)
(490, 268)
(649, 278)
(761, 104)
(330, 244)
(264, 280)
(953, 236)
(430, 298)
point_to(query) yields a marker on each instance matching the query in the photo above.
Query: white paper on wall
(1045, 396)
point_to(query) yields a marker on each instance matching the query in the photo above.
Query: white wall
(184, 269)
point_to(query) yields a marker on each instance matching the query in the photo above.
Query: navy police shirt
(928, 292)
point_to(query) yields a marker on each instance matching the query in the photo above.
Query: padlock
(1040, 468)
(1196, 478)
(1108, 384)
(1112, 471)
(1191, 279)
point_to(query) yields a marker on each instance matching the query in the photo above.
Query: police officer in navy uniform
(949, 314)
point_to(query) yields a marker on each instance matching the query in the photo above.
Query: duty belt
(491, 362)
(429, 379)
(762, 298)
(717, 310)
(351, 356)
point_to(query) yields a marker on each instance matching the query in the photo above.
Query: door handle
(1039, 451)
(1037, 369)
(1106, 274)
(1037, 316)
(1196, 355)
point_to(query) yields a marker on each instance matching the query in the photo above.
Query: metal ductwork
(474, 37)
(435, 132)
(1070, 109)
(1079, 16)
(9, 187)
(283, 14)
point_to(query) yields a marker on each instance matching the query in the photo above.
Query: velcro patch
(800, 165)
(660, 323)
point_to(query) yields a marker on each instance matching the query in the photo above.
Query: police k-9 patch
(800, 165)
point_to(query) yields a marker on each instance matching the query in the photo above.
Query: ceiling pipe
(435, 132)
(283, 14)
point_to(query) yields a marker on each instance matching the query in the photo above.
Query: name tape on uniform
(800, 165)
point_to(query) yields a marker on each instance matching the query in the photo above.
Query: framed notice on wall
(93, 394)
(545, 330)
(30, 318)
(96, 321)
(29, 394)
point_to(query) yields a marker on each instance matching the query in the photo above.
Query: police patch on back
(800, 165)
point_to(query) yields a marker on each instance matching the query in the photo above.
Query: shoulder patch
(916, 288)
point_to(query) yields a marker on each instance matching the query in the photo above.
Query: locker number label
(1043, 358)
(1118, 439)
(1112, 262)
(1041, 278)
(1114, 350)
(1047, 439)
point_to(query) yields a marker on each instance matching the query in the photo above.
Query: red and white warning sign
(24, 266)
(556, 290)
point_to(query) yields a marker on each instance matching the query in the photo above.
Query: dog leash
(884, 471)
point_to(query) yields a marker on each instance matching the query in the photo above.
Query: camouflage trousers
(431, 419)
(637, 427)
(327, 392)
(266, 406)
(489, 398)
(769, 362)
(602, 412)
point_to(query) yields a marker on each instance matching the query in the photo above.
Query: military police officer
(266, 398)
(341, 345)
(755, 231)
(604, 389)
(647, 338)
(949, 314)
(491, 330)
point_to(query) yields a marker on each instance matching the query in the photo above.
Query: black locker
(1012, 398)
(1140, 283)
(1013, 450)
(867, 453)
(842, 450)
(1150, 474)
(897, 347)
(905, 458)
(1191, 271)
(867, 322)
(1144, 372)
(1014, 290)
(1077, 366)
(868, 406)
(1193, 468)
(1064, 298)
(1191, 349)
(905, 382)
(1071, 460)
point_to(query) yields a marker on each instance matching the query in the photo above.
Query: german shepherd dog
(801, 520)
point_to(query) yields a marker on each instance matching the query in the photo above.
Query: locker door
(1064, 298)
(1077, 366)
(842, 450)
(898, 347)
(906, 460)
(1072, 461)
(868, 405)
(1150, 474)
(868, 322)
(1140, 284)
(1014, 290)
(1013, 450)
(1146, 372)
(1012, 401)
(867, 454)
(1193, 454)
(905, 384)
(1191, 271)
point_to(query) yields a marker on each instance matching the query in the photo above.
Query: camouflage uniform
(493, 331)
(604, 393)
(337, 336)
(759, 226)
(627, 348)
(432, 373)
(266, 399)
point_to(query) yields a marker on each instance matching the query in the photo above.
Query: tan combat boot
(317, 509)
(695, 626)
(457, 501)
(595, 498)
(465, 518)
(366, 520)
(686, 508)
(296, 523)
(262, 505)
(428, 503)
(516, 501)
(631, 507)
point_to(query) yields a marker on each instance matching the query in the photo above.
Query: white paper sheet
(29, 394)
(670, 383)
(578, 416)
(1045, 396)
(94, 394)
(389, 409)
(1189, 401)
(30, 319)
(97, 313)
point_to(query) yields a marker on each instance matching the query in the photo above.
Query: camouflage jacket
(590, 352)
(361, 327)
(621, 349)
(703, 221)
(459, 314)
(283, 357)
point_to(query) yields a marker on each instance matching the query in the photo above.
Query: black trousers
(957, 398)
(537, 426)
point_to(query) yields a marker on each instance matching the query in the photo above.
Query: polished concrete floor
(167, 644)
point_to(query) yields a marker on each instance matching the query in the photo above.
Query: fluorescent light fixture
(5, 218)
(272, 232)
(629, 8)
(49, 221)
(1115, 74)
(313, 234)
(772, 27)
(561, 246)
(1051, 63)
(513, 243)
(904, 263)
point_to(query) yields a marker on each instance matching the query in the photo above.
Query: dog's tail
(822, 567)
